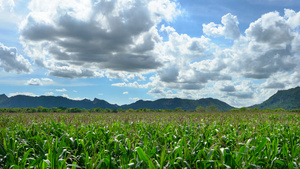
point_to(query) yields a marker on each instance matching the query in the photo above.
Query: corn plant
(150, 140)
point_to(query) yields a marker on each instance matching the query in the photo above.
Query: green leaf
(74, 166)
(261, 145)
(144, 157)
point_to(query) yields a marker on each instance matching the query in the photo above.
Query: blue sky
(238, 51)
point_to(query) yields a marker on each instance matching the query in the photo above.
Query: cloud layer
(134, 41)
(10, 61)
(267, 51)
(76, 40)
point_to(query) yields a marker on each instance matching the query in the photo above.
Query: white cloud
(7, 4)
(49, 94)
(77, 39)
(133, 84)
(230, 29)
(271, 29)
(22, 93)
(76, 98)
(140, 77)
(293, 18)
(266, 49)
(122, 39)
(61, 90)
(135, 98)
(10, 61)
(125, 92)
(34, 82)
(283, 80)
(39, 82)
(268, 52)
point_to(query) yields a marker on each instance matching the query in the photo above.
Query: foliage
(150, 140)
(211, 108)
(286, 99)
(200, 109)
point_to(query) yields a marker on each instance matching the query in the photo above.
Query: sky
(238, 51)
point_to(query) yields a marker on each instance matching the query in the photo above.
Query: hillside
(58, 101)
(51, 101)
(185, 104)
(286, 99)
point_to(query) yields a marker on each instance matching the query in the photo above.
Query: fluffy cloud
(49, 94)
(123, 39)
(10, 61)
(7, 4)
(229, 29)
(268, 52)
(283, 80)
(34, 82)
(77, 39)
(39, 82)
(61, 90)
(271, 29)
(182, 68)
(266, 49)
(22, 93)
(76, 98)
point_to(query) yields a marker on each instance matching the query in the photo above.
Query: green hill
(58, 101)
(286, 99)
(185, 104)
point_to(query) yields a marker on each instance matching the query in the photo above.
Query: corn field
(150, 140)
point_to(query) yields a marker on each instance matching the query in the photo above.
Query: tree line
(211, 108)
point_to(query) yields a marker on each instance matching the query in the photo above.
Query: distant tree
(243, 109)
(211, 108)
(200, 109)
(280, 110)
(98, 110)
(178, 109)
(12, 110)
(62, 109)
(130, 110)
(53, 109)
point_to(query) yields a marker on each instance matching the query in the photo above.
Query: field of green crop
(150, 140)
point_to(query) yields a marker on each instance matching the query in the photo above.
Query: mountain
(286, 99)
(3, 98)
(58, 101)
(185, 104)
(52, 101)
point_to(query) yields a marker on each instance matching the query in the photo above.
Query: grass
(150, 140)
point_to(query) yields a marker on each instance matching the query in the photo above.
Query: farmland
(150, 140)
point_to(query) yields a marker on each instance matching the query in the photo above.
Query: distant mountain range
(286, 99)
(58, 101)
(185, 104)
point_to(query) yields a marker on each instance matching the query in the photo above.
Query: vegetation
(286, 99)
(58, 101)
(236, 139)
